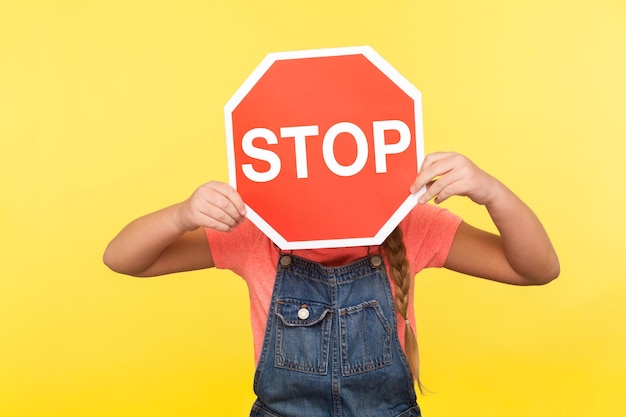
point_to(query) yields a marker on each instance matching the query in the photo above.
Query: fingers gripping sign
(446, 174)
(215, 205)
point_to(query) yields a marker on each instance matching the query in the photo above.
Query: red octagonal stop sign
(323, 146)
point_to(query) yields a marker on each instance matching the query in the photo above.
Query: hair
(399, 270)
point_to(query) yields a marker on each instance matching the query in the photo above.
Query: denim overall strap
(331, 346)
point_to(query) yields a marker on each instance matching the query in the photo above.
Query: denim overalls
(331, 346)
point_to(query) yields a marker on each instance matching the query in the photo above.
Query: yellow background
(111, 109)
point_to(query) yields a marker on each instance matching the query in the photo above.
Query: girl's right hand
(172, 239)
(215, 205)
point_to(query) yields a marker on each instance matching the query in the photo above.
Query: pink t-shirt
(428, 233)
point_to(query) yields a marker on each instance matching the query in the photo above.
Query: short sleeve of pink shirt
(428, 234)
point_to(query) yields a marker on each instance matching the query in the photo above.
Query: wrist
(501, 201)
(181, 218)
(489, 192)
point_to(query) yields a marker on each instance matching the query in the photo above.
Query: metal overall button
(285, 261)
(303, 313)
(376, 261)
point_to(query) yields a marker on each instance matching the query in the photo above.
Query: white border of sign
(386, 69)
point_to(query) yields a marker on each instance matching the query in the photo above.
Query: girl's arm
(173, 239)
(521, 254)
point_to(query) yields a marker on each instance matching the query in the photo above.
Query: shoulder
(244, 232)
(428, 232)
(235, 250)
(425, 216)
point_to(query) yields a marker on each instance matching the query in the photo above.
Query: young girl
(330, 324)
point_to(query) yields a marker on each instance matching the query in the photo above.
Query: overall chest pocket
(302, 336)
(365, 338)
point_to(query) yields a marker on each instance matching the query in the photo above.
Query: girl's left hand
(521, 254)
(447, 173)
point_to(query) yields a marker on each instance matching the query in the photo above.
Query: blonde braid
(399, 270)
